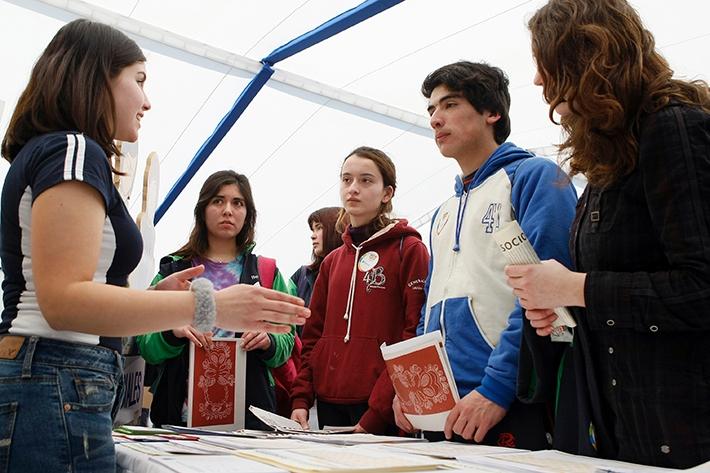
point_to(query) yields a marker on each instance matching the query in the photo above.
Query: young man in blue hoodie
(467, 296)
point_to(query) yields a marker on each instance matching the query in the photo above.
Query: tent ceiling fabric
(291, 141)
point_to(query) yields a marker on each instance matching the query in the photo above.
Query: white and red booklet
(423, 380)
(216, 385)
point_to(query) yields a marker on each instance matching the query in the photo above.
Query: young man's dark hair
(484, 86)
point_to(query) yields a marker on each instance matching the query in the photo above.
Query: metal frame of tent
(331, 27)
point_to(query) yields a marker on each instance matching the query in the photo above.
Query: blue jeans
(56, 405)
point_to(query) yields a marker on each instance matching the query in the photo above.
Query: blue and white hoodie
(467, 295)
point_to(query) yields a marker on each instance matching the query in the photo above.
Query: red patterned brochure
(215, 396)
(423, 380)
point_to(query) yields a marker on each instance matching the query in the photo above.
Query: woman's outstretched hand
(244, 307)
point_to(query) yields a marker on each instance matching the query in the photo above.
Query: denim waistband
(67, 354)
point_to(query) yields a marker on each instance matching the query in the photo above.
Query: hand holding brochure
(282, 424)
(517, 250)
(423, 380)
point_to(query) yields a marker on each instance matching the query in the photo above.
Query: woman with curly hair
(68, 245)
(636, 381)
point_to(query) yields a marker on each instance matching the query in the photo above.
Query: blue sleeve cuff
(498, 392)
(420, 325)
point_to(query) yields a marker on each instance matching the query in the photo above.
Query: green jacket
(155, 348)
(169, 353)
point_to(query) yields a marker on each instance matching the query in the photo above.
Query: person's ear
(492, 118)
(389, 193)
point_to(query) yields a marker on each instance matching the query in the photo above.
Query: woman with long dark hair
(221, 240)
(68, 245)
(640, 290)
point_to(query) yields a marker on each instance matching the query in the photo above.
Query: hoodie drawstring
(505, 155)
(351, 295)
(459, 217)
(441, 321)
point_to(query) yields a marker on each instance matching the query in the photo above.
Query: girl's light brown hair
(389, 178)
(597, 56)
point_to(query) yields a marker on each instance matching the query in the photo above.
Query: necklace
(220, 260)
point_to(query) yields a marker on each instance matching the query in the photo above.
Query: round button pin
(368, 261)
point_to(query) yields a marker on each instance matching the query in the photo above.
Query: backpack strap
(171, 264)
(267, 271)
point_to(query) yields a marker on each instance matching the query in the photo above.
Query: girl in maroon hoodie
(370, 290)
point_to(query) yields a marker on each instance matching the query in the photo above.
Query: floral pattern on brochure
(427, 387)
(217, 371)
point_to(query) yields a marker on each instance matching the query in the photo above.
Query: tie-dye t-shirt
(222, 275)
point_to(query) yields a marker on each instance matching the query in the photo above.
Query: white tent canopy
(360, 87)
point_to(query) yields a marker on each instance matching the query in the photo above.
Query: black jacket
(640, 357)
(304, 278)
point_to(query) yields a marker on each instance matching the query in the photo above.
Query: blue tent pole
(332, 27)
(220, 132)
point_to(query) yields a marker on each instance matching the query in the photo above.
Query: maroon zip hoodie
(363, 296)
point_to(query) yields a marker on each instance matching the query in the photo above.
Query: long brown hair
(332, 238)
(198, 243)
(389, 178)
(70, 87)
(597, 56)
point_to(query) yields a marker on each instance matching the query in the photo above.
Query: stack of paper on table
(355, 439)
(136, 433)
(239, 443)
(423, 380)
(216, 385)
(553, 461)
(330, 458)
(214, 463)
(181, 447)
(140, 430)
(203, 431)
(451, 450)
